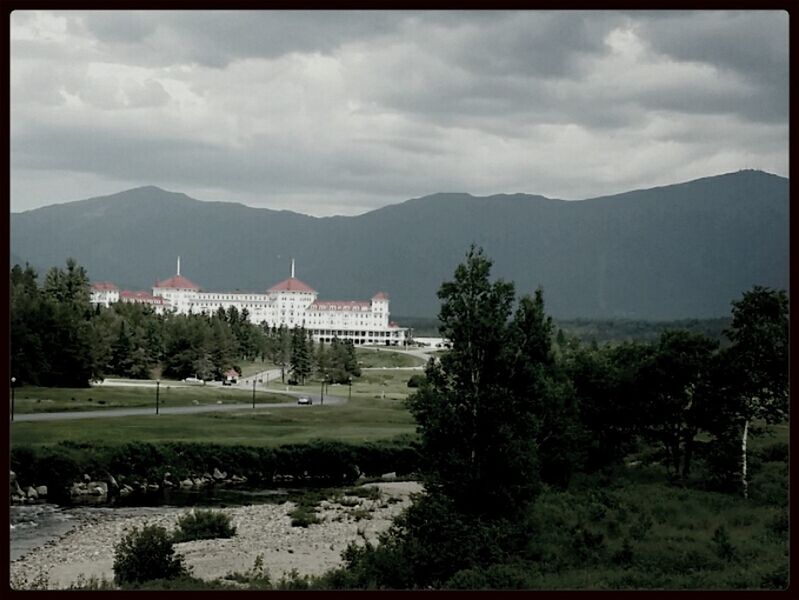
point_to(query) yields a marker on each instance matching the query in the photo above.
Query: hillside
(672, 252)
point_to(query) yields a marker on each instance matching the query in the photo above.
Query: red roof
(104, 286)
(291, 285)
(231, 373)
(338, 305)
(380, 296)
(178, 282)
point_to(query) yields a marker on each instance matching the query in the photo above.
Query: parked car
(227, 382)
(304, 400)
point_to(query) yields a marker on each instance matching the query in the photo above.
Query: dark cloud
(336, 110)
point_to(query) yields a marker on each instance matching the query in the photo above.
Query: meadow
(39, 399)
(367, 417)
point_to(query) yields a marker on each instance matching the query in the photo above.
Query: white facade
(104, 293)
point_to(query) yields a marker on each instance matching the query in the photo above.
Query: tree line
(59, 339)
(510, 410)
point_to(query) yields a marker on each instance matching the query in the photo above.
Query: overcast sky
(343, 112)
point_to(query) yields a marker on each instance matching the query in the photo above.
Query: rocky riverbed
(87, 548)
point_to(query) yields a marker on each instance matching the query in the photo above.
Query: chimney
(292, 268)
(178, 265)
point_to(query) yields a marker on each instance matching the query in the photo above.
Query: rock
(197, 482)
(98, 488)
(41, 490)
(219, 475)
(112, 483)
(12, 477)
(31, 493)
(153, 487)
(121, 479)
(78, 489)
(389, 476)
(219, 402)
(125, 490)
(195, 403)
(168, 484)
(86, 478)
(186, 483)
(15, 490)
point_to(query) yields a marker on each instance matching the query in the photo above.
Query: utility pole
(253, 393)
(13, 381)
(157, 390)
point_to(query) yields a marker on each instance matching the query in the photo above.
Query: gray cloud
(341, 112)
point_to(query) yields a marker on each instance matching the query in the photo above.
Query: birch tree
(757, 364)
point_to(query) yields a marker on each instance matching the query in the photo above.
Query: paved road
(178, 410)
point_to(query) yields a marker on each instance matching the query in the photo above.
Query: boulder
(86, 478)
(186, 483)
(219, 475)
(153, 487)
(112, 484)
(12, 477)
(15, 490)
(78, 489)
(125, 490)
(98, 488)
(41, 490)
(388, 476)
(31, 493)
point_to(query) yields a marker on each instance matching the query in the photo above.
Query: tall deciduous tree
(757, 364)
(478, 435)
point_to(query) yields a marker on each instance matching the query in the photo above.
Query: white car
(304, 400)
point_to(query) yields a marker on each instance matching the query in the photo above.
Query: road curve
(177, 410)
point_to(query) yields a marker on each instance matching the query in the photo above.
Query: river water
(34, 525)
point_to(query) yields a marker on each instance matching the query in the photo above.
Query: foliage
(476, 420)
(146, 554)
(203, 525)
(417, 380)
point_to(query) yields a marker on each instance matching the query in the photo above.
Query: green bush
(146, 554)
(203, 525)
(417, 381)
(495, 577)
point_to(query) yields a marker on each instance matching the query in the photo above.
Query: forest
(534, 448)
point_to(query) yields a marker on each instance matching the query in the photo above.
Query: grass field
(367, 417)
(381, 358)
(35, 399)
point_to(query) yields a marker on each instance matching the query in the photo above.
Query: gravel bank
(266, 529)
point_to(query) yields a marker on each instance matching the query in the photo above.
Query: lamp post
(349, 380)
(253, 394)
(322, 396)
(13, 381)
(157, 391)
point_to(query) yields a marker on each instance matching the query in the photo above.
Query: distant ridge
(670, 252)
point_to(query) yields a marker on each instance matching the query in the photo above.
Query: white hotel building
(291, 303)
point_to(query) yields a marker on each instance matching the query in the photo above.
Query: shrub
(722, 544)
(146, 554)
(203, 525)
(417, 381)
(495, 577)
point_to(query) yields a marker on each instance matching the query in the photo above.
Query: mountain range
(672, 252)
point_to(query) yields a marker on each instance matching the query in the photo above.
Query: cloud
(342, 112)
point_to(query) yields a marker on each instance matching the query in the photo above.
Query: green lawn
(384, 383)
(367, 417)
(374, 357)
(36, 399)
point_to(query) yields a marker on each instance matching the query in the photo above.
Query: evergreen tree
(300, 356)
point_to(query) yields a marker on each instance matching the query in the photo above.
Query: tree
(477, 433)
(757, 364)
(677, 382)
(300, 355)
